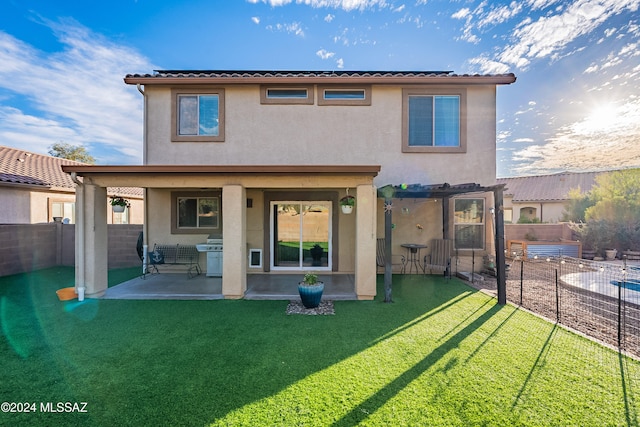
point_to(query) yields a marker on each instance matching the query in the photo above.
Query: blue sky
(575, 105)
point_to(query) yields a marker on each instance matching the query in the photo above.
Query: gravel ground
(296, 307)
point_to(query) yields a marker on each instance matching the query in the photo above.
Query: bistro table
(414, 256)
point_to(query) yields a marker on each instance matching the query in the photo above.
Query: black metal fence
(598, 299)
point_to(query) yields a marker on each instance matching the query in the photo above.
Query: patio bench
(176, 254)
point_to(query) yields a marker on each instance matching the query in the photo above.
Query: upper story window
(286, 95)
(434, 120)
(197, 115)
(333, 95)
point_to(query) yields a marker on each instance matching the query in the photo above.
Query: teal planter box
(311, 294)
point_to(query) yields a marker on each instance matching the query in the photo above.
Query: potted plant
(611, 254)
(347, 203)
(119, 203)
(310, 290)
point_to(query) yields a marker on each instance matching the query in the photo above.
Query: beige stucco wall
(24, 206)
(548, 212)
(312, 134)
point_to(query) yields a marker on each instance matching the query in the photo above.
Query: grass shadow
(215, 352)
(360, 412)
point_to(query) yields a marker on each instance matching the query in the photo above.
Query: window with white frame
(333, 95)
(434, 120)
(198, 115)
(469, 223)
(63, 210)
(286, 95)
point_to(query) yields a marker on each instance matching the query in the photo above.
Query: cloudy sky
(575, 105)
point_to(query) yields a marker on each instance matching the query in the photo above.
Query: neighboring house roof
(547, 188)
(315, 77)
(20, 167)
(27, 169)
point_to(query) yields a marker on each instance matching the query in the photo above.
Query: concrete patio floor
(178, 286)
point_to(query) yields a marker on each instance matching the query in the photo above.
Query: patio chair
(440, 257)
(396, 260)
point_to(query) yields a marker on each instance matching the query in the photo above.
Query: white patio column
(91, 240)
(234, 240)
(365, 267)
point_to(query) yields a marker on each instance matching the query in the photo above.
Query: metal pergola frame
(445, 192)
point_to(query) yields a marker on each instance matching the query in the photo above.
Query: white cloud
(340, 63)
(500, 14)
(600, 141)
(462, 13)
(551, 34)
(255, 19)
(324, 54)
(292, 28)
(78, 89)
(591, 69)
(489, 66)
(329, 18)
(347, 5)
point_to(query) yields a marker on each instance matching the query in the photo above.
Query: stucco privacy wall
(30, 247)
(315, 134)
(548, 232)
(25, 206)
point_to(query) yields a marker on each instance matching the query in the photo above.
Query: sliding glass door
(300, 235)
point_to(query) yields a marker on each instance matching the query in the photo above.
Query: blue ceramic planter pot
(310, 294)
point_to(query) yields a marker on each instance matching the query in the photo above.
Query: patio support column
(234, 240)
(445, 218)
(500, 255)
(91, 240)
(365, 268)
(388, 272)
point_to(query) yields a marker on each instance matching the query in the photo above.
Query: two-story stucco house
(261, 159)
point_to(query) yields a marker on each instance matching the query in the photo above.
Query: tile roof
(290, 73)
(20, 167)
(260, 76)
(547, 187)
(23, 167)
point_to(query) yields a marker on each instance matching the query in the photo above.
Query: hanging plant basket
(347, 203)
(119, 203)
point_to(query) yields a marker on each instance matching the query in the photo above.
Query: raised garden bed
(540, 248)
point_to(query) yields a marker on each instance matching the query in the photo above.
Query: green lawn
(441, 355)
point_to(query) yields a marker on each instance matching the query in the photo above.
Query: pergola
(445, 192)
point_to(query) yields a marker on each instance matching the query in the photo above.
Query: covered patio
(177, 286)
(444, 192)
